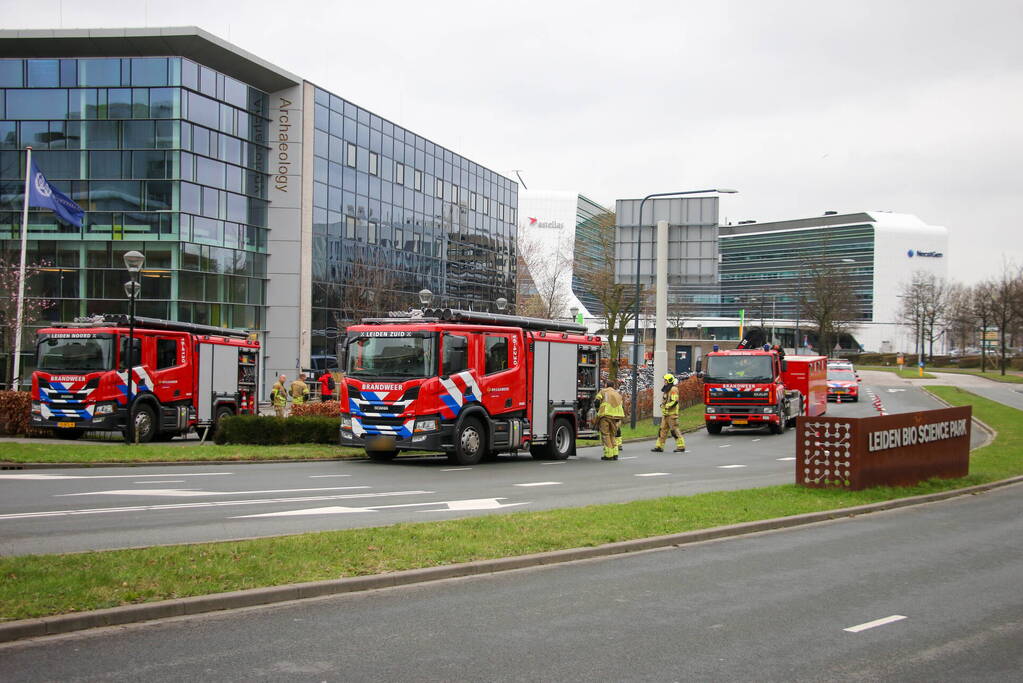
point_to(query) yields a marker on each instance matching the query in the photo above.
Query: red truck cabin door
(500, 380)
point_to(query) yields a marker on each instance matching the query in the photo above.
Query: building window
(472, 200)
(454, 194)
(350, 227)
(399, 173)
(417, 181)
(486, 205)
(374, 163)
(350, 155)
(372, 235)
(440, 189)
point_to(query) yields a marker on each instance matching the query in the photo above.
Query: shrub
(321, 408)
(275, 431)
(15, 407)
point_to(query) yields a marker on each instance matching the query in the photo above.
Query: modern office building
(556, 233)
(260, 200)
(716, 271)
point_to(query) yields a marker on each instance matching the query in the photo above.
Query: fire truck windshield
(80, 353)
(381, 357)
(738, 369)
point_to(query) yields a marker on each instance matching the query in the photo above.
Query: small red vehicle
(754, 388)
(843, 384)
(184, 375)
(467, 384)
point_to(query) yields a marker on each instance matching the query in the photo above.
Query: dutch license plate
(839, 391)
(382, 443)
(67, 425)
(740, 421)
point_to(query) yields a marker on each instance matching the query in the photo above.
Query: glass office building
(167, 157)
(260, 200)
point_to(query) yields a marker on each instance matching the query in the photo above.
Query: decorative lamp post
(133, 261)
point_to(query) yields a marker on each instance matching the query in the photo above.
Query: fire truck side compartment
(554, 383)
(218, 378)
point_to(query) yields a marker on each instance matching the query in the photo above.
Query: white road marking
(892, 391)
(455, 469)
(54, 477)
(627, 457)
(727, 445)
(167, 481)
(791, 457)
(729, 467)
(652, 474)
(204, 504)
(554, 463)
(755, 440)
(874, 624)
(185, 493)
(326, 476)
(541, 483)
(450, 505)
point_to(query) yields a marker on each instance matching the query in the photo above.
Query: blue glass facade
(420, 215)
(167, 157)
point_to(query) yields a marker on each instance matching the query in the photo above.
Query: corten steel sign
(890, 450)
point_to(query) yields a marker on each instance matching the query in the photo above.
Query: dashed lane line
(653, 474)
(874, 624)
(456, 469)
(540, 483)
(204, 504)
(791, 457)
(554, 463)
(725, 445)
(194, 493)
(327, 476)
(55, 477)
(162, 481)
(729, 467)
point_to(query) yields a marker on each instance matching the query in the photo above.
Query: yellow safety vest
(669, 402)
(611, 403)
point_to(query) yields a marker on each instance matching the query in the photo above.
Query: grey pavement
(919, 594)
(70, 510)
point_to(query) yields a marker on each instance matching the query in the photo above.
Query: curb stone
(115, 616)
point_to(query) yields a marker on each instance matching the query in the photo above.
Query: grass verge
(907, 373)
(995, 376)
(40, 585)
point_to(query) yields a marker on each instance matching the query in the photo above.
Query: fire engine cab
(468, 384)
(184, 375)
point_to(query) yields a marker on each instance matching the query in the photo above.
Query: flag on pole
(42, 195)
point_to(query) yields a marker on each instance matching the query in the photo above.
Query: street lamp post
(639, 253)
(133, 261)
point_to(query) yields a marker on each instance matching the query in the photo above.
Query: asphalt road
(928, 593)
(70, 510)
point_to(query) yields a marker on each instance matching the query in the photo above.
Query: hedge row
(993, 360)
(318, 408)
(276, 431)
(15, 411)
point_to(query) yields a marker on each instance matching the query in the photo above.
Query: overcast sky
(802, 105)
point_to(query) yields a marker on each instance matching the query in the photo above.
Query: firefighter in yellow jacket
(279, 396)
(609, 417)
(669, 421)
(299, 390)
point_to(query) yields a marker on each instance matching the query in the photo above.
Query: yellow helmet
(669, 377)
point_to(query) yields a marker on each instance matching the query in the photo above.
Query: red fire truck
(756, 388)
(184, 376)
(468, 384)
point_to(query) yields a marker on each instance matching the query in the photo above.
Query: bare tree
(31, 314)
(369, 292)
(679, 312)
(984, 312)
(551, 272)
(827, 300)
(925, 306)
(1005, 292)
(960, 320)
(596, 271)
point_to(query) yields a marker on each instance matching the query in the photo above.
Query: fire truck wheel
(470, 443)
(381, 456)
(778, 428)
(145, 424)
(559, 446)
(714, 427)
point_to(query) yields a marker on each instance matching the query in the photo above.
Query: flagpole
(16, 374)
